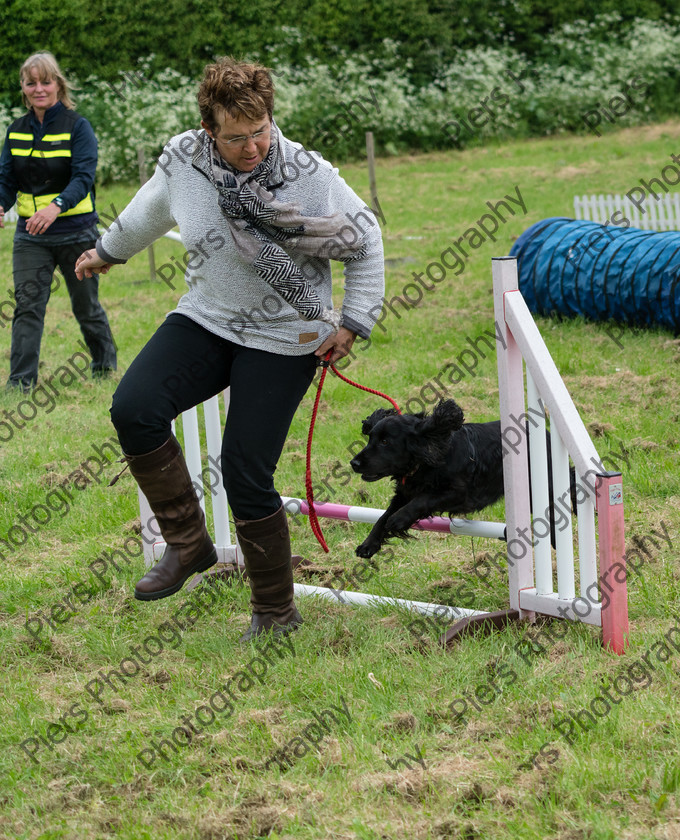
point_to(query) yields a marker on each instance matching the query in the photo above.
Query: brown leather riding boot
(266, 552)
(165, 481)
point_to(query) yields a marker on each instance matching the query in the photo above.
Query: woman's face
(40, 95)
(242, 155)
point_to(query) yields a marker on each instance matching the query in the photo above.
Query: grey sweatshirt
(225, 294)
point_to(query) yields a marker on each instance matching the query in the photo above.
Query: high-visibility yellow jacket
(38, 166)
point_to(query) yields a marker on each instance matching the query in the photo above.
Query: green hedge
(102, 37)
(631, 72)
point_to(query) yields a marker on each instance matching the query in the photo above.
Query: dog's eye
(382, 442)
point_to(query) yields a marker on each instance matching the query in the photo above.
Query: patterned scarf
(258, 223)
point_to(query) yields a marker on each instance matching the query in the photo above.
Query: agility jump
(599, 569)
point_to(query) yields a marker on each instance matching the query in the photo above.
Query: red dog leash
(313, 518)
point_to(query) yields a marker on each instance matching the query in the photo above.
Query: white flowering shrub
(594, 62)
(330, 109)
(136, 112)
(476, 97)
(7, 116)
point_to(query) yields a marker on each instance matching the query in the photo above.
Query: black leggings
(184, 364)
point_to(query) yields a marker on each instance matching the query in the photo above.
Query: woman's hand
(40, 221)
(341, 343)
(2, 217)
(89, 263)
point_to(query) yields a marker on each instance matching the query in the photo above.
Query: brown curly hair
(243, 89)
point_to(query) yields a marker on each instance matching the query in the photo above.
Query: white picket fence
(648, 214)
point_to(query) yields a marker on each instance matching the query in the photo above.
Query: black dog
(440, 465)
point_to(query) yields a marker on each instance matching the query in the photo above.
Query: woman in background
(48, 166)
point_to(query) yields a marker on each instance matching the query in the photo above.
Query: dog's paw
(399, 523)
(367, 548)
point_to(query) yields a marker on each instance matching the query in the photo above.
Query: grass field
(491, 764)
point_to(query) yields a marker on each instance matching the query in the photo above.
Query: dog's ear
(448, 415)
(435, 431)
(374, 418)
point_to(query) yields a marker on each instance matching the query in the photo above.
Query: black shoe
(22, 387)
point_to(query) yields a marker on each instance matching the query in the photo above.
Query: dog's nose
(354, 464)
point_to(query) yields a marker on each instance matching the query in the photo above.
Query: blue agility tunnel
(600, 272)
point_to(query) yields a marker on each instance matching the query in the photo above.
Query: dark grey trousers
(34, 263)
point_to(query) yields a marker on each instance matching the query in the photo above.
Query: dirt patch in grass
(401, 722)
(253, 818)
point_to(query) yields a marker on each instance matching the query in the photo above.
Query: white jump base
(363, 599)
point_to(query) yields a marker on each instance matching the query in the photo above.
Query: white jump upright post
(199, 472)
(596, 489)
(515, 463)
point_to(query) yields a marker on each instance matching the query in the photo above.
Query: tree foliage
(598, 78)
(102, 37)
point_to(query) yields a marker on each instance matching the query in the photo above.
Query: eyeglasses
(241, 141)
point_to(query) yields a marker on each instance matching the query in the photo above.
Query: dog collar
(409, 474)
